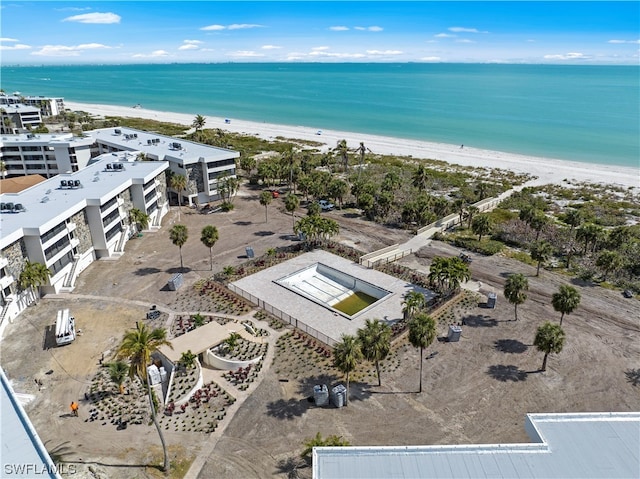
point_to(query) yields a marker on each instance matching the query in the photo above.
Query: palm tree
(188, 359)
(346, 355)
(179, 183)
(471, 213)
(232, 341)
(139, 218)
(179, 235)
(318, 441)
(481, 225)
(291, 203)
(33, 276)
(549, 339)
(209, 237)
(420, 177)
(538, 221)
(198, 123)
(375, 341)
(589, 233)
(566, 300)
(540, 252)
(609, 261)
(422, 332)
(118, 372)
(138, 346)
(343, 151)
(337, 190)
(265, 199)
(573, 218)
(514, 290)
(414, 301)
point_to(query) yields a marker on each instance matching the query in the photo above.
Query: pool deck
(389, 309)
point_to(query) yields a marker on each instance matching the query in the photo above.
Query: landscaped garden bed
(185, 323)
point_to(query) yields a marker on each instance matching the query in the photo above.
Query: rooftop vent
(117, 131)
(44, 199)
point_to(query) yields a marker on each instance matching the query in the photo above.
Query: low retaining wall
(215, 361)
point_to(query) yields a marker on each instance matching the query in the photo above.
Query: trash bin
(491, 300)
(454, 333)
(175, 282)
(339, 395)
(249, 251)
(321, 395)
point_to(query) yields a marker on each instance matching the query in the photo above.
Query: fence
(282, 315)
(388, 258)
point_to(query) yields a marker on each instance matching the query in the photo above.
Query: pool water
(354, 303)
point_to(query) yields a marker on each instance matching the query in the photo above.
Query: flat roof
(47, 203)
(45, 139)
(263, 285)
(580, 446)
(22, 453)
(190, 152)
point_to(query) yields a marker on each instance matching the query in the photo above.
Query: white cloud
(384, 52)
(430, 59)
(67, 50)
(465, 30)
(245, 54)
(319, 49)
(243, 26)
(188, 46)
(213, 28)
(444, 35)
(624, 41)
(369, 29)
(464, 40)
(192, 42)
(233, 26)
(154, 54)
(17, 46)
(96, 17)
(567, 56)
(73, 9)
(270, 47)
(5, 39)
(324, 53)
(339, 28)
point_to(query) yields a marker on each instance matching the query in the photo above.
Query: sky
(120, 32)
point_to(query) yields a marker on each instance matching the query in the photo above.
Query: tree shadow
(243, 223)
(479, 321)
(290, 466)
(507, 373)
(633, 376)
(358, 391)
(510, 346)
(287, 408)
(177, 270)
(351, 215)
(583, 283)
(146, 271)
(264, 233)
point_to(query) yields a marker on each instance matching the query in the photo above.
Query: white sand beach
(547, 170)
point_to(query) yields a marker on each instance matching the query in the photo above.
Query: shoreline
(547, 170)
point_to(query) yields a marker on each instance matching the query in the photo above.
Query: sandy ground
(548, 170)
(475, 391)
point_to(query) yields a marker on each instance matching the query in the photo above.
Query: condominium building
(48, 106)
(203, 165)
(18, 117)
(71, 220)
(44, 154)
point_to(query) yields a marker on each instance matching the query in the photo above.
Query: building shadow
(633, 376)
(49, 338)
(479, 321)
(505, 373)
(510, 346)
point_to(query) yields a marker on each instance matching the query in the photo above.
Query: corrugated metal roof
(581, 446)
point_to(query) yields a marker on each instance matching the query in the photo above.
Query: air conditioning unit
(117, 131)
(63, 183)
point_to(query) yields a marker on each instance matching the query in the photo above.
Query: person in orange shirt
(74, 408)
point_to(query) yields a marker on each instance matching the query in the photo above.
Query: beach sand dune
(547, 170)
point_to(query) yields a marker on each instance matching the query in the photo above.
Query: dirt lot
(477, 390)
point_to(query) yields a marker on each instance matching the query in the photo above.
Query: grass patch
(521, 256)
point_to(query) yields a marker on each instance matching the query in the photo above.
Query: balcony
(3, 262)
(6, 281)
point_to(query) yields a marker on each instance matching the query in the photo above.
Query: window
(111, 217)
(109, 204)
(52, 232)
(113, 232)
(61, 263)
(58, 246)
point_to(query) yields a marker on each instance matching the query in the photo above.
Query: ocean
(583, 113)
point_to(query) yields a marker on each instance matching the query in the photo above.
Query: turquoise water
(581, 113)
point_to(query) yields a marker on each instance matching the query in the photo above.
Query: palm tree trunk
(421, 351)
(544, 362)
(378, 371)
(346, 399)
(211, 259)
(538, 269)
(165, 467)
(516, 312)
(181, 266)
(561, 318)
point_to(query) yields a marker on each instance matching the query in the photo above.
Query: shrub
(226, 206)
(487, 247)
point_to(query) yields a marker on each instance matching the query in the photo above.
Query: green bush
(486, 247)
(226, 206)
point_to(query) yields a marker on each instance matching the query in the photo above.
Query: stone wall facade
(16, 254)
(82, 231)
(127, 205)
(195, 181)
(161, 187)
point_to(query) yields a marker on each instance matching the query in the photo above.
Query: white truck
(65, 328)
